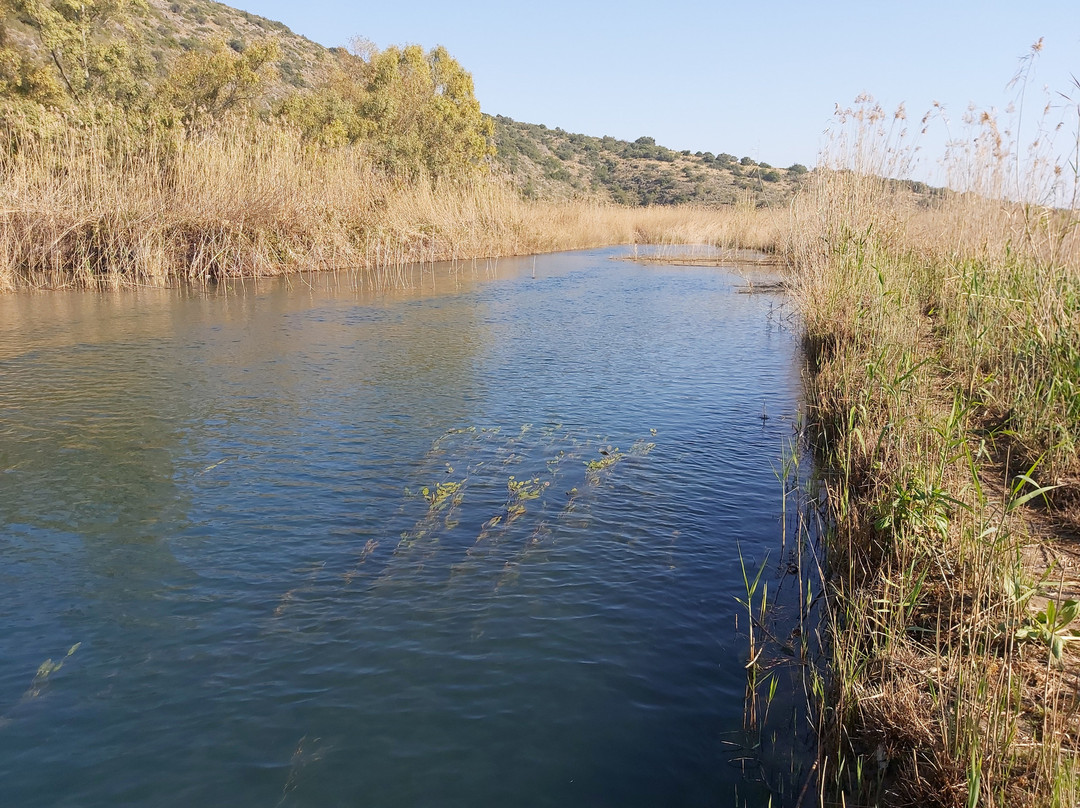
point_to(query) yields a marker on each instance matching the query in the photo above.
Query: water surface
(219, 496)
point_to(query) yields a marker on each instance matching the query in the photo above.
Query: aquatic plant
(522, 490)
(755, 616)
(442, 494)
(45, 670)
(519, 492)
(608, 458)
(369, 547)
(571, 498)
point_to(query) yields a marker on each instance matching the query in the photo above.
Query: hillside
(165, 29)
(174, 26)
(553, 163)
(541, 163)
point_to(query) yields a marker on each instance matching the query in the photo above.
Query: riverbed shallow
(466, 537)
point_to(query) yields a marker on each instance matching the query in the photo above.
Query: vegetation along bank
(157, 142)
(943, 402)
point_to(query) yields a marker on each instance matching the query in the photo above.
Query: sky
(757, 79)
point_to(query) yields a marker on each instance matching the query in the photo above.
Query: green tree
(421, 114)
(89, 45)
(216, 81)
(330, 113)
(21, 76)
(415, 111)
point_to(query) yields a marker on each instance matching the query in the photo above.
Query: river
(468, 540)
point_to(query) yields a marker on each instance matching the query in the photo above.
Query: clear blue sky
(757, 79)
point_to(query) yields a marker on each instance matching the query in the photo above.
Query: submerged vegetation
(522, 524)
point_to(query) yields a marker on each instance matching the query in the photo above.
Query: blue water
(218, 496)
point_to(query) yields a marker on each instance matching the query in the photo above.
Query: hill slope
(547, 163)
(175, 26)
(541, 163)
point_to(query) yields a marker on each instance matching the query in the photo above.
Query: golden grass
(247, 199)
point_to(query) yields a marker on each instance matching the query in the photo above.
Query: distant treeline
(546, 161)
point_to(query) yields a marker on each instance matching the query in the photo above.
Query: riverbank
(943, 342)
(943, 401)
(251, 200)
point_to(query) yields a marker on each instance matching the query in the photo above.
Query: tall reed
(942, 334)
(94, 207)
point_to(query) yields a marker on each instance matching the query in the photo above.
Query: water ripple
(222, 498)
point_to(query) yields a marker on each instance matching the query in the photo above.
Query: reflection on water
(323, 542)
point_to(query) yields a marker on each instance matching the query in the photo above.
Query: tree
(22, 77)
(330, 113)
(415, 111)
(79, 38)
(421, 115)
(216, 81)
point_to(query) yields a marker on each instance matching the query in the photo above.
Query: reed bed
(943, 339)
(83, 208)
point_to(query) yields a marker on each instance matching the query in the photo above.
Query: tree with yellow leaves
(84, 42)
(216, 81)
(415, 111)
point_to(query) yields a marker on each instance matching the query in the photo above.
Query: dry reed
(81, 208)
(943, 334)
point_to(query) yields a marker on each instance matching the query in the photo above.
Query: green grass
(942, 400)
